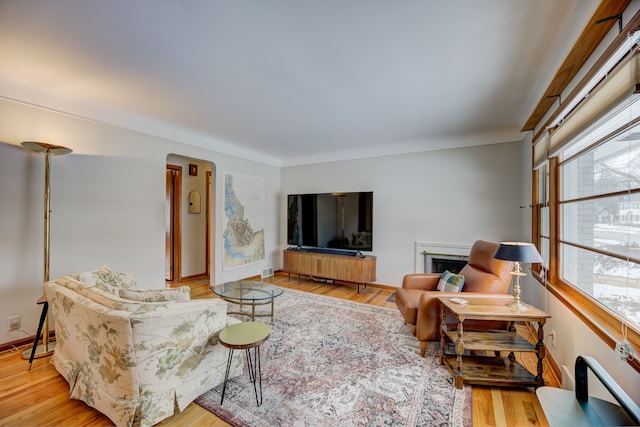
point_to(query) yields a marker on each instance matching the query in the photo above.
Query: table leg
(255, 372)
(541, 353)
(459, 350)
(512, 356)
(443, 330)
(226, 375)
(43, 316)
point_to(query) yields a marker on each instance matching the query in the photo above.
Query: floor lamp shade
(48, 150)
(518, 252)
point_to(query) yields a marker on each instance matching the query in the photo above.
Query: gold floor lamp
(46, 348)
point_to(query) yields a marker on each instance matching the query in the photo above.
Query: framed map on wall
(244, 219)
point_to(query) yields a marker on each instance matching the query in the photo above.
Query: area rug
(332, 362)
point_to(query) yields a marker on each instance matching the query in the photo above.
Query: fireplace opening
(440, 265)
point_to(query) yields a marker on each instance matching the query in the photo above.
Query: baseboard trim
(369, 285)
(22, 343)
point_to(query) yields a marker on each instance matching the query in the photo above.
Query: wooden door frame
(175, 222)
(208, 226)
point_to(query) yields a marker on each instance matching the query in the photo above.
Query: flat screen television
(331, 220)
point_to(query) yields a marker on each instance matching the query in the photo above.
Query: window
(541, 215)
(599, 217)
(586, 197)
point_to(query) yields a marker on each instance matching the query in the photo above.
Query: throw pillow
(450, 282)
(183, 293)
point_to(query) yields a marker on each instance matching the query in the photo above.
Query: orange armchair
(485, 277)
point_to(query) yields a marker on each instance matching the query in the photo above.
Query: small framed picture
(193, 169)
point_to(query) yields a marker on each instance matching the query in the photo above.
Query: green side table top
(244, 335)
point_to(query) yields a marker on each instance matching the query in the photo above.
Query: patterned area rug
(331, 362)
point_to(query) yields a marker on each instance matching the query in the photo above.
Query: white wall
(449, 196)
(108, 200)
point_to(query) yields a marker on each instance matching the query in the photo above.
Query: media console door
(330, 266)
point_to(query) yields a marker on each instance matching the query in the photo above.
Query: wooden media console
(331, 266)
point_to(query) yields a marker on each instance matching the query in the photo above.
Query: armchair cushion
(450, 282)
(421, 281)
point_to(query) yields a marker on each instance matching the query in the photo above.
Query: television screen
(331, 220)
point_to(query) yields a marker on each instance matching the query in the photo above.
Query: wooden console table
(330, 266)
(491, 370)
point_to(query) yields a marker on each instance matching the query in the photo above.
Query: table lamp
(518, 252)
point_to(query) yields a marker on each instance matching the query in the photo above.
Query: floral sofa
(136, 354)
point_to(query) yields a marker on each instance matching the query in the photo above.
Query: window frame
(603, 322)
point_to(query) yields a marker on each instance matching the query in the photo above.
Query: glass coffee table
(248, 293)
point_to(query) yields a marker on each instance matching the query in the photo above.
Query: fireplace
(451, 264)
(438, 257)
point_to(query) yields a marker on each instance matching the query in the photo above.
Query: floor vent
(266, 272)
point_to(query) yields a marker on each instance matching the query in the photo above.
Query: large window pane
(543, 183)
(544, 252)
(599, 218)
(611, 224)
(613, 282)
(610, 167)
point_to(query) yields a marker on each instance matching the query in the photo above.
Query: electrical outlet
(552, 334)
(14, 323)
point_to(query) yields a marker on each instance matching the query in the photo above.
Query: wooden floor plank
(40, 397)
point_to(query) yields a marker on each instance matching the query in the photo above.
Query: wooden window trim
(604, 323)
(562, 80)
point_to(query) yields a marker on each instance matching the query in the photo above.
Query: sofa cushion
(110, 281)
(450, 282)
(183, 293)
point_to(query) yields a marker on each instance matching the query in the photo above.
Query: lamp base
(518, 305)
(41, 351)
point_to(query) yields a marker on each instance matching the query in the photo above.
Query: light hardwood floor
(40, 397)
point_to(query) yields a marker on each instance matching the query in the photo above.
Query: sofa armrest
(424, 281)
(428, 318)
(173, 342)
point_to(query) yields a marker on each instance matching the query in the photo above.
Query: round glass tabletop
(247, 290)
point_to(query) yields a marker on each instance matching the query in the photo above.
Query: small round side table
(245, 336)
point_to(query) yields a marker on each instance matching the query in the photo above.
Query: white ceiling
(290, 82)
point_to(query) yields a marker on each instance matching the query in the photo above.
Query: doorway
(188, 224)
(173, 239)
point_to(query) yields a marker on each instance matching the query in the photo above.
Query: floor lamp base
(41, 351)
